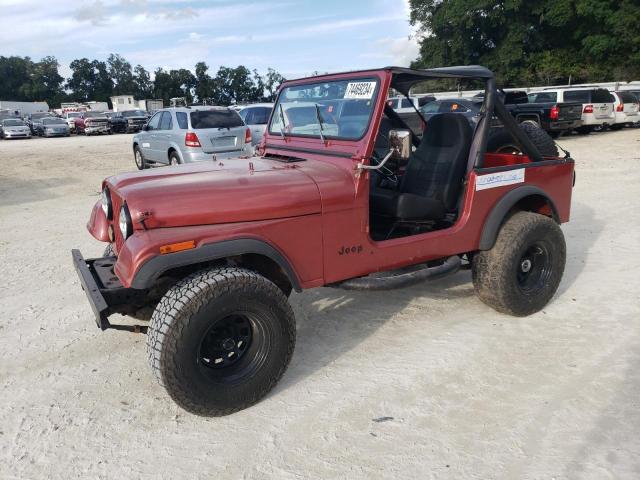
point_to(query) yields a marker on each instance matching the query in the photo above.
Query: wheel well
(256, 262)
(527, 198)
(530, 117)
(537, 204)
(171, 150)
(135, 144)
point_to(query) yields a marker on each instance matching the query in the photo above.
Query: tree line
(23, 79)
(531, 43)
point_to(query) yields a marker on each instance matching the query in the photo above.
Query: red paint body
(307, 210)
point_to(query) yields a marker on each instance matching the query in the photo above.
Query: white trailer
(24, 108)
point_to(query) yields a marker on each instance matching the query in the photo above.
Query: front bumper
(99, 129)
(105, 293)
(9, 135)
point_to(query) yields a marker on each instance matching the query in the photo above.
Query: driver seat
(430, 187)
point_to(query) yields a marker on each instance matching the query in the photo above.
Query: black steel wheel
(220, 340)
(521, 272)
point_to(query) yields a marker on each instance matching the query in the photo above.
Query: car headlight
(106, 203)
(124, 222)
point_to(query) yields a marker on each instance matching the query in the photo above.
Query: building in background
(23, 108)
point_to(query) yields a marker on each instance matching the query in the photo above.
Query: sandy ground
(425, 382)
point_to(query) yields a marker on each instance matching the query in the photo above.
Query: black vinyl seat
(430, 187)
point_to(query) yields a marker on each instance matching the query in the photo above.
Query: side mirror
(146, 128)
(400, 143)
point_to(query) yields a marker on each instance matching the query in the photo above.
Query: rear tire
(584, 130)
(141, 163)
(174, 159)
(503, 142)
(521, 272)
(220, 340)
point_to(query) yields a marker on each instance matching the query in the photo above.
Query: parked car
(117, 123)
(552, 116)
(470, 108)
(597, 105)
(70, 118)
(256, 117)
(14, 128)
(136, 119)
(91, 123)
(52, 127)
(403, 107)
(626, 109)
(187, 134)
(216, 249)
(35, 118)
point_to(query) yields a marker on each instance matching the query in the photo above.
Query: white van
(597, 105)
(625, 108)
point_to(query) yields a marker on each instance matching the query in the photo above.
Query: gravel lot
(425, 382)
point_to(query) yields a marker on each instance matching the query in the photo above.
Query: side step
(402, 277)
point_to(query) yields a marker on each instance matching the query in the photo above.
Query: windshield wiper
(319, 122)
(281, 118)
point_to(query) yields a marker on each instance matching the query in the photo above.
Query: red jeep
(343, 194)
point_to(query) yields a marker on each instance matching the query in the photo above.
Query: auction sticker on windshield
(360, 90)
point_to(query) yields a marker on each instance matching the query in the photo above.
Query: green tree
(273, 80)
(121, 74)
(142, 84)
(530, 42)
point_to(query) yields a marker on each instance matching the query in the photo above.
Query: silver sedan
(14, 128)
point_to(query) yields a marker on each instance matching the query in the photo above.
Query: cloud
(95, 13)
(400, 51)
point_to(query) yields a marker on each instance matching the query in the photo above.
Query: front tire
(522, 271)
(220, 340)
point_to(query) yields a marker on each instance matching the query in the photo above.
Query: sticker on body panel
(360, 90)
(500, 179)
(146, 145)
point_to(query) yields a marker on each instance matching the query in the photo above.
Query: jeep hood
(236, 190)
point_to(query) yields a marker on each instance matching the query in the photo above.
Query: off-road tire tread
(108, 251)
(541, 139)
(491, 270)
(174, 313)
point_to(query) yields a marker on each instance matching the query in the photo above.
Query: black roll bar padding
(517, 133)
(479, 144)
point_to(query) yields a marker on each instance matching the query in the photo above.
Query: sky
(294, 37)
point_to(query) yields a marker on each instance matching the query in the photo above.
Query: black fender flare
(151, 270)
(494, 220)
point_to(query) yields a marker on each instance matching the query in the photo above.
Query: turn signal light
(177, 247)
(247, 136)
(191, 140)
(554, 113)
(588, 109)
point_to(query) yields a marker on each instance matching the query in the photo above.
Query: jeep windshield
(338, 109)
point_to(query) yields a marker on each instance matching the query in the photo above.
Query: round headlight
(106, 203)
(124, 222)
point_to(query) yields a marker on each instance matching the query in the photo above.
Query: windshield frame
(272, 130)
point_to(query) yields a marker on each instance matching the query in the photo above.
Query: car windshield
(542, 97)
(93, 114)
(338, 109)
(13, 123)
(223, 118)
(38, 116)
(134, 113)
(73, 115)
(54, 121)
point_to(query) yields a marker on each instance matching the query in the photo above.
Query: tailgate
(570, 111)
(218, 140)
(602, 110)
